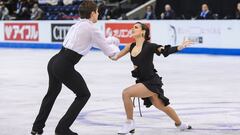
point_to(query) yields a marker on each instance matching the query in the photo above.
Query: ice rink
(204, 90)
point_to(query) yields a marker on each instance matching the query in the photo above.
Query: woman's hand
(114, 57)
(184, 44)
(123, 52)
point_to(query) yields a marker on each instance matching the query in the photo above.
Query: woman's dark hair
(86, 8)
(147, 31)
(151, 7)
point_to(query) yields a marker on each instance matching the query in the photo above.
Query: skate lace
(139, 107)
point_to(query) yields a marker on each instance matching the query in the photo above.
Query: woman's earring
(143, 34)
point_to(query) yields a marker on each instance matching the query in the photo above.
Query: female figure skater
(77, 44)
(148, 84)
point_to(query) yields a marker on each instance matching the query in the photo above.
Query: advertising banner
(122, 31)
(59, 31)
(21, 31)
(210, 36)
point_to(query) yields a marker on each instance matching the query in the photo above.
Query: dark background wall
(191, 8)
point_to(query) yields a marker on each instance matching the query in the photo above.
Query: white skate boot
(128, 127)
(183, 126)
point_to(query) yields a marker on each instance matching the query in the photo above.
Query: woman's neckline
(139, 51)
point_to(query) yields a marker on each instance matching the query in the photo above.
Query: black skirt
(155, 85)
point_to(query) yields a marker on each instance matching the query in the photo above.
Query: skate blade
(35, 133)
(189, 127)
(131, 132)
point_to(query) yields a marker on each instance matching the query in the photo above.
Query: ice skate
(128, 127)
(183, 126)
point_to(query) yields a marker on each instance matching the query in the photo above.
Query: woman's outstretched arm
(123, 52)
(166, 50)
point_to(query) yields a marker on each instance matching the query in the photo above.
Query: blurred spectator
(22, 12)
(104, 11)
(4, 13)
(206, 13)
(169, 13)
(11, 5)
(36, 12)
(114, 9)
(42, 2)
(67, 2)
(124, 16)
(149, 14)
(238, 11)
(19, 5)
(31, 3)
(52, 2)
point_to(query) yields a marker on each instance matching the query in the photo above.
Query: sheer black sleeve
(168, 49)
(165, 51)
(155, 48)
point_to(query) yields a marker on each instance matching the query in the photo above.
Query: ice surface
(204, 90)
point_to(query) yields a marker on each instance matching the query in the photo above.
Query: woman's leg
(170, 112)
(137, 90)
(167, 109)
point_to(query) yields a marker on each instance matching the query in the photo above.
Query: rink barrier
(30, 45)
(190, 50)
(212, 51)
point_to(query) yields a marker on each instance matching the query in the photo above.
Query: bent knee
(158, 103)
(126, 93)
(86, 95)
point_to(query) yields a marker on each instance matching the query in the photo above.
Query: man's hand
(111, 40)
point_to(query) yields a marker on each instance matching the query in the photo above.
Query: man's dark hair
(86, 8)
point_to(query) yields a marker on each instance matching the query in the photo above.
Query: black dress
(145, 72)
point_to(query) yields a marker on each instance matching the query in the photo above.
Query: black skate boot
(64, 132)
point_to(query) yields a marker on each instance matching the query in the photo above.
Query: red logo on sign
(21, 31)
(120, 30)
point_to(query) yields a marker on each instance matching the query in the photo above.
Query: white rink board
(203, 89)
(207, 33)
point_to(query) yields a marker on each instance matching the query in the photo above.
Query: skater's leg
(47, 103)
(167, 109)
(170, 112)
(74, 81)
(137, 90)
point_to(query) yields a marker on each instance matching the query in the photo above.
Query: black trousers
(61, 71)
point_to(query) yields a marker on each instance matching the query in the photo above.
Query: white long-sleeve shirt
(83, 35)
